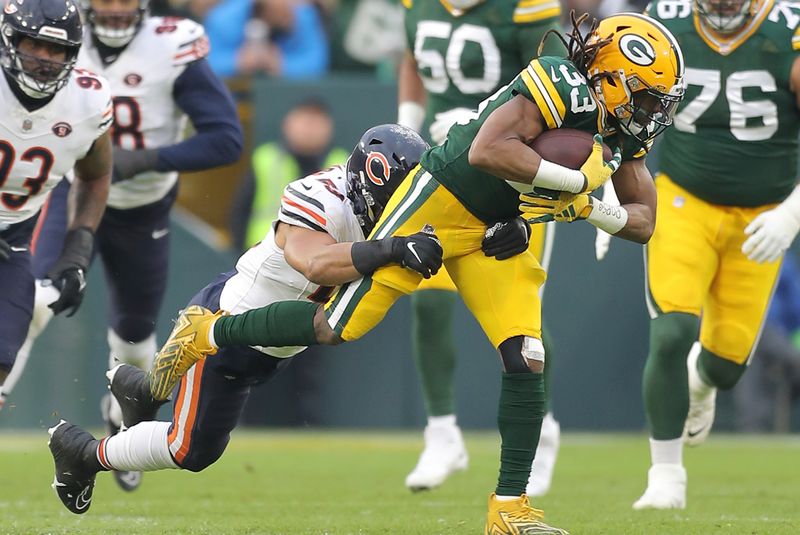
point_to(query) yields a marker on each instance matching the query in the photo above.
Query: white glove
(443, 121)
(771, 233)
(602, 240)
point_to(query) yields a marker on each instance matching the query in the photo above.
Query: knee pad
(516, 352)
(139, 354)
(717, 371)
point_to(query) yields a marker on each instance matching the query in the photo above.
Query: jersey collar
(726, 45)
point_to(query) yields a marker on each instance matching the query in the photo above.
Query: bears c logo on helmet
(637, 49)
(376, 158)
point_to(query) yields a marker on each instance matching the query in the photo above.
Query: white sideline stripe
(183, 416)
(334, 318)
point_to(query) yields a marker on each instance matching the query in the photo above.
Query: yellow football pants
(695, 265)
(502, 295)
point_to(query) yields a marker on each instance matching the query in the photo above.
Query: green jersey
(563, 97)
(734, 141)
(464, 56)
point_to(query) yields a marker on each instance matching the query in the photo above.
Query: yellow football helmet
(637, 74)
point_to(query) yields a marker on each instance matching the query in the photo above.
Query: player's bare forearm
(637, 194)
(89, 191)
(501, 145)
(316, 255)
(409, 84)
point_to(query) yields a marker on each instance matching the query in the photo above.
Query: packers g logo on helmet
(637, 73)
(637, 49)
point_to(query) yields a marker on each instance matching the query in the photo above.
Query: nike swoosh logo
(160, 233)
(411, 246)
(554, 76)
(693, 434)
(81, 502)
(307, 188)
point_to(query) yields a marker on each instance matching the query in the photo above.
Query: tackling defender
(459, 53)
(158, 75)
(624, 78)
(317, 243)
(53, 118)
(728, 208)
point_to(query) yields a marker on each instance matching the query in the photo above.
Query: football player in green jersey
(623, 80)
(728, 208)
(459, 53)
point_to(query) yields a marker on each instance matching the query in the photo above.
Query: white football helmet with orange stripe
(638, 73)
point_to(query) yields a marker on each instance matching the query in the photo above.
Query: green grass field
(352, 483)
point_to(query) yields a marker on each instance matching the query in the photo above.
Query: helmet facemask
(724, 16)
(115, 29)
(37, 77)
(648, 111)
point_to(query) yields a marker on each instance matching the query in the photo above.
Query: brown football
(566, 146)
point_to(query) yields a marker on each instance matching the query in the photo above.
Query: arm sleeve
(304, 54)
(218, 139)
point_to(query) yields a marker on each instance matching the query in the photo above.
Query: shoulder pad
(549, 80)
(184, 39)
(667, 10)
(316, 202)
(786, 15)
(528, 11)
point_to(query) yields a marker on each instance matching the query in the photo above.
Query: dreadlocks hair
(579, 50)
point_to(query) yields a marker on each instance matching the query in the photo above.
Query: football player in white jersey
(316, 243)
(53, 118)
(158, 77)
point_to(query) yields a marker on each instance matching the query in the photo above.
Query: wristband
(553, 176)
(369, 255)
(607, 217)
(411, 114)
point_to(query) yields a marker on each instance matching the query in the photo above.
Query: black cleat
(74, 454)
(131, 388)
(127, 480)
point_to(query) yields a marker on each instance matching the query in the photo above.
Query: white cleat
(443, 455)
(702, 403)
(545, 461)
(666, 488)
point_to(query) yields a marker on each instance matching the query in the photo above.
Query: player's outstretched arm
(410, 94)
(325, 262)
(636, 192)
(86, 203)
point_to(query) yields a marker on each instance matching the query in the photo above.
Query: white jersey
(145, 114)
(38, 148)
(317, 202)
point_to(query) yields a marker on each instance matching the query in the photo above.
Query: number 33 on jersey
(736, 130)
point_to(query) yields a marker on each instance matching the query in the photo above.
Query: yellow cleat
(517, 517)
(187, 344)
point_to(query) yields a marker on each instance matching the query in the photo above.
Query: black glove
(67, 274)
(421, 252)
(506, 238)
(129, 163)
(5, 250)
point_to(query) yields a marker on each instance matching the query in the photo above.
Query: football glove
(602, 240)
(5, 250)
(506, 238)
(542, 206)
(597, 171)
(446, 119)
(421, 252)
(67, 274)
(129, 163)
(770, 234)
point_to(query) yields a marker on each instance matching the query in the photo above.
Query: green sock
(434, 352)
(665, 385)
(717, 371)
(519, 419)
(285, 323)
(547, 342)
